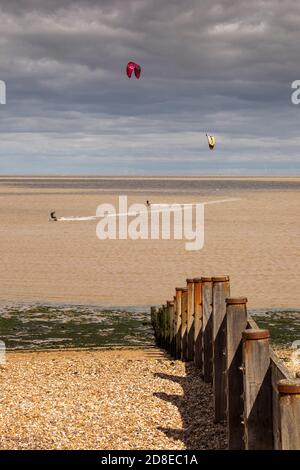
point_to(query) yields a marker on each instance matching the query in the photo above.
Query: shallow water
(202, 187)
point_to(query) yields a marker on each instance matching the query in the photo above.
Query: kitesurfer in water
(53, 216)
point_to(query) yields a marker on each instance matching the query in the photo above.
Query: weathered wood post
(289, 403)
(178, 323)
(163, 326)
(162, 333)
(278, 372)
(174, 328)
(198, 322)
(167, 325)
(153, 319)
(184, 301)
(221, 291)
(190, 320)
(171, 324)
(236, 323)
(156, 330)
(160, 326)
(257, 390)
(207, 356)
(152, 314)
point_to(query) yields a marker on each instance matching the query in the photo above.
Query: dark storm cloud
(225, 67)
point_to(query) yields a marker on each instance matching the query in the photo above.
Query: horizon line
(150, 176)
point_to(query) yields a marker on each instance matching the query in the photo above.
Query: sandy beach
(83, 400)
(254, 239)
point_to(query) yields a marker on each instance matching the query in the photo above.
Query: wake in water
(153, 209)
(76, 219)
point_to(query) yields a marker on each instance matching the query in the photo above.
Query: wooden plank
(207, 361)
(178, 323)
(278, 372)
(198, 323)
(289, 402)
(221, 291)
(258, 423)
(190, 320)
(236, 323)
(184, 299)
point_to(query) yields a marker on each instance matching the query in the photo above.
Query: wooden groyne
(253, 391)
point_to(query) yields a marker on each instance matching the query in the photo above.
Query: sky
(225, 68)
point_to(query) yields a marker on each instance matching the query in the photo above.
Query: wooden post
(289, 403)
(153, 322)
(171, 319)
(173, 344)
(278, 372)
(257, 390)
(198, 323)
(236, 323)
(163, 326)
(190, 320)
(184, 299)
(160, 326)
(207, 357)
(221, 291)
(166, 324)
(178, 323)
(152, 310)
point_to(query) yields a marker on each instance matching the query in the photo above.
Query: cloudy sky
(222, 67)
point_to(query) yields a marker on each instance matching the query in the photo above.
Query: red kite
(132, 66)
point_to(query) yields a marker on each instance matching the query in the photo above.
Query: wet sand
(255, 240)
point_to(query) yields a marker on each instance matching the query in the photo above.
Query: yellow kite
(211, 141)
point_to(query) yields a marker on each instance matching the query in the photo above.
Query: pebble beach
(105, 399)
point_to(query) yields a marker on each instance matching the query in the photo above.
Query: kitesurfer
(53, 216)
